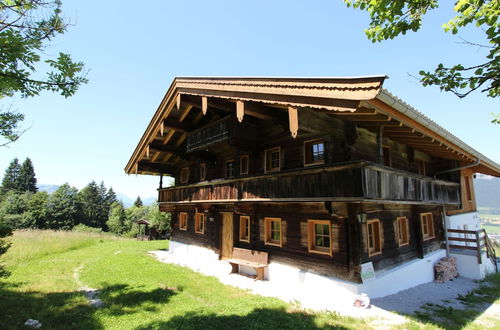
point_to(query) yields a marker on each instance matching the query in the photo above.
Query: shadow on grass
(71, 310)
(264, 319)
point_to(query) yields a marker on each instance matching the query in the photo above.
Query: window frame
(426, 217)
(267, 232)
(308, 152)
(421, 166)
(271, 150)
(226, 162)
(311, 236)
(185, 174)
(203, 170)
(185, 216)
(241, 163)
(244, 218)
(399, 232)
(199, 218)
(368, 223)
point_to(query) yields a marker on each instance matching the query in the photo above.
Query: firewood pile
(445, 270)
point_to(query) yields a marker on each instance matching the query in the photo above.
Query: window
(421, 166)
(199, 223)
(244, 164)
(374, 237)
(314, 152)
(403, 231)
(184, 174)
(272, 159)
(229, 168)
(183, 224)
(245, 228)
(203, 171)
(468, 193)
(319, 236)
(427, 224)
(272, 231)
(386, 153)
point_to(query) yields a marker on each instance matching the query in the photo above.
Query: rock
(33, 323)
(96, 303)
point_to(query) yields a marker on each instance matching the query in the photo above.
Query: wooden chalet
(322, 174)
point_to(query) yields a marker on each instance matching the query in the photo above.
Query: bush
(82, 228)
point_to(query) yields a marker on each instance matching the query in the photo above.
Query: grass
(491, 229)
(47, 270)
(138, 291)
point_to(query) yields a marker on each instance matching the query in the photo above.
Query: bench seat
(250, 258)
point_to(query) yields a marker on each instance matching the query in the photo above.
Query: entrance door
(227, 236)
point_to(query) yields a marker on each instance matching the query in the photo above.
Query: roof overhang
(361, 99)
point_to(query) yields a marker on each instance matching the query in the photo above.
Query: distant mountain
(126, 200)
(487, 192)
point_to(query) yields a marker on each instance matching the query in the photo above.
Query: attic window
(314, 152)
(185, 174)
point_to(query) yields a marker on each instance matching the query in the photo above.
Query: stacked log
(445, 269)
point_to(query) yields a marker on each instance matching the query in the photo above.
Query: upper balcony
(359, 181)
(221, 130)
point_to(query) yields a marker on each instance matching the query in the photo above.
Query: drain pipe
(458, 168)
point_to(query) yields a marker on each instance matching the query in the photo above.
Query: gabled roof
(360, 99)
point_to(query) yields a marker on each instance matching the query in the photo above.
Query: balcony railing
(345, 182)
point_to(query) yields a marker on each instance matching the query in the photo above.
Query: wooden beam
(372, 117)
(177, 125)
(178, 101)
(361, 111)
(160, 147)
(204, 104)
(240, 110)
(293, 121)
(155, 167)
(185, 113)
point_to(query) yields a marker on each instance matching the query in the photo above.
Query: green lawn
(48, 268)
(138, 291)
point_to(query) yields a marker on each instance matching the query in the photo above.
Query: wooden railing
(209, 134)
(474, 240)
(344, 182)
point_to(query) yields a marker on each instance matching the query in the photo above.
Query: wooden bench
(251, 258)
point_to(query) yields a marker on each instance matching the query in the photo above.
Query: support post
(161, 180)
(478, 248)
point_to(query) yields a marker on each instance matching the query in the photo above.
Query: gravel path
(410, 300)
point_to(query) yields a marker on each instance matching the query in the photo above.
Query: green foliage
(159, 220)
(62, 208)
(11, 176)
(390, 19)
(95, 203)
(86, 229)
(117, 219)
(26, 29)
(27, 179)
(138, 202)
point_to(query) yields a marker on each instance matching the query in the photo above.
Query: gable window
(199, 223)
(245, 228)
(203, 171)
(272, 231)
(272, 159)
(244, 164)
(319, 236)
(183, 224)
(403, 231)
(229, 168)
(421, 166)
(184, 174)
(374, 237)
(427, 224)
(314, 152)
(386, 153)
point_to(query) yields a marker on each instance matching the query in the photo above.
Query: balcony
(360, 181)
(221, 130)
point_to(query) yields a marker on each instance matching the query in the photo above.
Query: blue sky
(133, 50)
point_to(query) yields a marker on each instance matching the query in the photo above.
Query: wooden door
(227, 236)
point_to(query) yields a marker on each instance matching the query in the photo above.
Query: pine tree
(10, 179)
(90, 202)
(138, 202)
(26, 180)
(62, 207)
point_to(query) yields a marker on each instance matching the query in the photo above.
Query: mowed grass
(47, 270)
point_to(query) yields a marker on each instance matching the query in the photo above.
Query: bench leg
(234, 268)
(260, 273)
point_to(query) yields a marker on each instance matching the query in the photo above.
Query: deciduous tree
(390, 19)
(62, 208)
